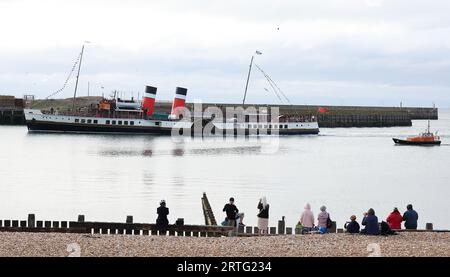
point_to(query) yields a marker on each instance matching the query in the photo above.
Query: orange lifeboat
(426, 138)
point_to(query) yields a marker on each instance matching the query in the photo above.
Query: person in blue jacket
(370, 220)
(410, 218)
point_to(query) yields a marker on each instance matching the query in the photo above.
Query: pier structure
(11, 111)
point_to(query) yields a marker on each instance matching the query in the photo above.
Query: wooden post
(23, 223)
(129, 220)
(48, 224)
(281, 226)
(80, 218)
(39, 224)
(1, 223)
(333, 227)
(241, 229)
(340, 231)
(145, 232)
(248, 229)
(55, 224)
(288, 231)
(273, 230)
(255, 230)
(7, 223)
(31, 221)
(63, 224)
(429, 227)
(15, 223)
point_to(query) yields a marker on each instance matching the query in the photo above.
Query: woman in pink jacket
(307, 219)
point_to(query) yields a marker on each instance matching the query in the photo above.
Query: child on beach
(352, 227)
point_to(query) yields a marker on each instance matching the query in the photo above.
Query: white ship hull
(39, 122)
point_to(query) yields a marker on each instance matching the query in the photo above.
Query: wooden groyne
(111, 228)
(128, 227)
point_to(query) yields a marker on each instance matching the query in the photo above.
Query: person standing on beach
(352, 227)
(370, 220)
(231, 210)
(322, 220)
(410, 217)
(395, 220)
(307, 219)
(263, 216)
(162, 222)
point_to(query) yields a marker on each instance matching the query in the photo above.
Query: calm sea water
(58, 176)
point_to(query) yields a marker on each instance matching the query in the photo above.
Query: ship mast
(248, 76)
(78, 76)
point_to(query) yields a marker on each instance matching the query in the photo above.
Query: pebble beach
(61, 245)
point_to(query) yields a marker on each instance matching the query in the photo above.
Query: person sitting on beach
(410, 217)
(307, 219)
(322, 220)
(352, 227)
(162, 222)
(395, 220)
(263, 216)
(370, 220)
(231, 210)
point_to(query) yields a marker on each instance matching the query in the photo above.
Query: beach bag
(329, 222)
(225, 222)
(386, 229)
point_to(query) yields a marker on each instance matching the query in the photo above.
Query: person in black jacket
(352, 227)
(162, 222)
(263, 216)
(231, 210)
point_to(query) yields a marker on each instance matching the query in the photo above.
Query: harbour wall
(11, 112)
(338, 116)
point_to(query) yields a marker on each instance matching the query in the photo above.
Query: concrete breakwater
(11, 111)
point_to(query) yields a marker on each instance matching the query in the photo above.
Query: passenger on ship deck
(370, 220)
(410, 217)
(352, 227)
(231, 210)
(307, 219)
(395, 220)
(263, 216)
(322, 220)
(162, 222)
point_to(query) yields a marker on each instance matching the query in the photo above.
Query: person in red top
(395, 220)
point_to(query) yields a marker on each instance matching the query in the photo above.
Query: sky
(324, 52)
